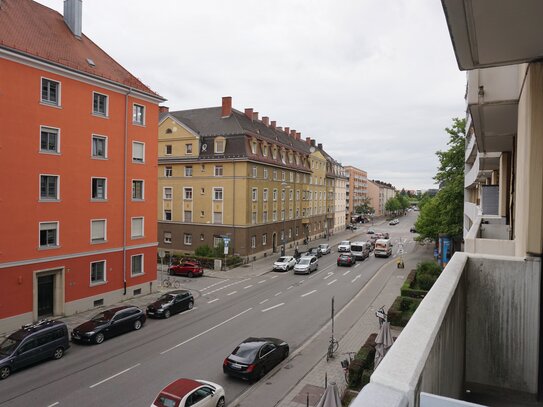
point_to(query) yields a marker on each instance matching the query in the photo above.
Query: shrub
(371, 340)
(366, 374)
(356, 367)
(426, 281)
(405, 303)
(410, 280)
(204, 251)
(413, 293)
(428, 267)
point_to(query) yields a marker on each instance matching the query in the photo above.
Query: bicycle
(168, 282)
(345, 365)
(333, 346)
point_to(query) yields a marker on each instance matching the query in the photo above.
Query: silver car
(284, 263)
(325, 248)
(306, 265)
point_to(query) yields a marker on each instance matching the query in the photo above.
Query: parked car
(189, 392)
(284, 263)
(413, 229)
(188, 268)
(371, 231)
(344, 246)
(306, 265)
(31, 344)
(325, 248)
(254, 357)
(109, 323)
(383, 248)
(315, 251)
(352, 226)
(171, 303)
(394, 222)
(346, 259)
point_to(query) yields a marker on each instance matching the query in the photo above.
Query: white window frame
(167, 239)
(218, 171)
(165, 195)
(97, 112)
(102, 239)
(254, 218)
(54, 130)
(188, 171)
(142, 265)
(191, 220)
(57, 235)
(58, 102)
(104, 271)
(185, 191)
(216, 192)
(139, 121)
(166, 149)
(164, 217)
(105, 140)
(168, 171)
(105, 189)
(275, 194)
(142, 234)
(253, 242)
(142, 190)
(254, 194)
(57, 189)
(264, 239)
(265, 194)
(265, 173)
(187, 239)
(255, 171)
(216, 145)
(188, 149)
(135, 159)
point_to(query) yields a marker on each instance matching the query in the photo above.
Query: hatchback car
(189, 392)
(189, 269)
(109, 323)
(315, 251)
(371, 231)
(31, 344)
(413, 229)
(306, 265)
(394, 222)
(346, 259)
(171, 303)
(325, 248)
(284, 263)
(255, 357)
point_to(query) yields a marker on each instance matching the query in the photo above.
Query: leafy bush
(413, 293)
(204, 251)
(426, 281)
(401, 310)
(366, 374)
(429, 268)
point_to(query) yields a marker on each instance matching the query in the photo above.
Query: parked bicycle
(169, 282)
(333, 346)
(345, 365)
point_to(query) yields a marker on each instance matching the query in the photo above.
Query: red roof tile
(38, 31)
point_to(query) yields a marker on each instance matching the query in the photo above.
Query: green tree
(403, 200)
(444, 212)
(393, 205)
(365, 207)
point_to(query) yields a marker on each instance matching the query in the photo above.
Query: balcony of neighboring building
(474, 338)
(482, 168)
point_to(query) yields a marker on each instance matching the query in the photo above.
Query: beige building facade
(357, 188)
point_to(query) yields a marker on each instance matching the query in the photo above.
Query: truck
(383, 248)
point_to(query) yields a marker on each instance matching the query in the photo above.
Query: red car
(346, 259)
(189, 269)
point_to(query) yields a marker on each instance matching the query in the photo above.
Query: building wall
(358, 187)
(373, 194)
(21, 255)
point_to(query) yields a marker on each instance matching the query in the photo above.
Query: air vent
(91, 62)
(137, 292)
(99, 303)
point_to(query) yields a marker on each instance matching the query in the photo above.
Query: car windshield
(304, 261)
(166, 297)
(165, 401)
(344, 242)
(246, 351)
(8, 346)
(356, 248)
(282, 259)
(102, 316)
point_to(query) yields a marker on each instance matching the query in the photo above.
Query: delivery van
(383, 248)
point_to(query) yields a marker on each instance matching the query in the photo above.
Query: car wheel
(137, 324)
(167, 314)
(190, 275)
(170, 272)
(191, 304)
(99, 338)
(221, 402)
(5, 372)
(59, 352)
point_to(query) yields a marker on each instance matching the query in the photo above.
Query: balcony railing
(489, 235)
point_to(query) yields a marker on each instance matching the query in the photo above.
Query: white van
(383, 248)
(360, 250)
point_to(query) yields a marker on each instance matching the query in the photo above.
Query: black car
(109, 323)
(171, 303)
(315, 251)
(254, 357)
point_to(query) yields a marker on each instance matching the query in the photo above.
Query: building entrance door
(46, 295)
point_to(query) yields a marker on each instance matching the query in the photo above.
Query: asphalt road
(130, 370)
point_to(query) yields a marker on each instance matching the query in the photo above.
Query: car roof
(181, 387)
(29, 329)
(175, 292)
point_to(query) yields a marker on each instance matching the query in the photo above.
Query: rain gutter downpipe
(125, 184)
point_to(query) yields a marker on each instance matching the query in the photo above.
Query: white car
(344, 246)
(284, 263)
(189, 392)
(306, 265)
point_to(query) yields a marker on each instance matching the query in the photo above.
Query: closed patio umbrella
(382, 343)
(330, 397)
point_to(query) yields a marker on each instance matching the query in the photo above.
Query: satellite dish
(311, 149)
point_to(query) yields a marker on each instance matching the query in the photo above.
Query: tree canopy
(365, 207)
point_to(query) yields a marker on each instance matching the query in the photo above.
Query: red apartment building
(78, 157)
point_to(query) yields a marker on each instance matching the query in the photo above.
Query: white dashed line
(347, 272)
(216, 299)
(212, 285)
(301, 281)
(289, 287)
(114, 376)
(328, 275)
(274, 277)
(310, 292)
(247, 286)
(356, 278)
(275, 306)
(266, 300)
(232, 293)
(279, 293)
(356, 265)
(261, 281)
(56, 403)
(332, 282)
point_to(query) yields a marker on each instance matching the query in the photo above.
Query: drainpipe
(125, 184)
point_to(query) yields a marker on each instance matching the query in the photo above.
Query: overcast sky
(375, 81)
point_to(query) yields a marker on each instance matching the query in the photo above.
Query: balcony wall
(472, 174)
(486, 240)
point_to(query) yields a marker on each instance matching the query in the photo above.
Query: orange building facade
(78, 154)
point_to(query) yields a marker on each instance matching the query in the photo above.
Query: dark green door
(46, 287)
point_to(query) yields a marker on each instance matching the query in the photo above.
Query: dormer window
(265, 150)
(274, 153)
(253, 147)
(219, 145)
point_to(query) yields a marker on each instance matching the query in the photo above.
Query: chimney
(163, 109)
(273, 124)
(313, 143)
(293, 133)
(280, 128)
(249, 113)
(298, 136)
(287, 130)
(73, 10)
(266, 121)
(308, 140)
(255, 116)
(319, 146)
(226, 106)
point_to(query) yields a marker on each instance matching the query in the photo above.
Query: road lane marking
(266, 300)
(356, 265)
(261, 281)
(114, 376)
(216, 299)
(310, 292)
(301, 281)
(206, 331)
(279, 293)
(275, 306)
(213, 285)
(289, 287)
(232, 293)
(347, 272)
(274, 277)
(332, 282)
(356, 278)
(328, 275)
(56, 403)
(247, 286)
(226, 286)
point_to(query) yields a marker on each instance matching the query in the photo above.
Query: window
(219, 146)
(167, 237)
(168, 191)
(167, 214)
(290, 194)
(99, 147)
(98, 272)
(49, 187)
(253, 147)
(265, 195)
(255, 172)
(137, 190)
(202, 190)
(253, 218)
(187, 239)
(274, 216)
(283, 175)
(264, 239)
(217, 240)
(98, 231)
(282, 214)
(138, 152)
(99, 104)
(188, 148)
(137, 227)
(50, 92)
(217, 194)
(202, 236)
(202, 214)
(253, 242)
(136, 264)
(275, 175)
(187, 216)
(265, 216)
(283, 195)
(168, 171)
(291, 176)
(188, 171)
(49, 140)
(265, 150)
(254, 194)
(265, 173)
(187, 194)
(275, 194)
(48, 234)
(168, 149)
(218, 171)
(138, 115)
(98, 188)
(217, 217)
